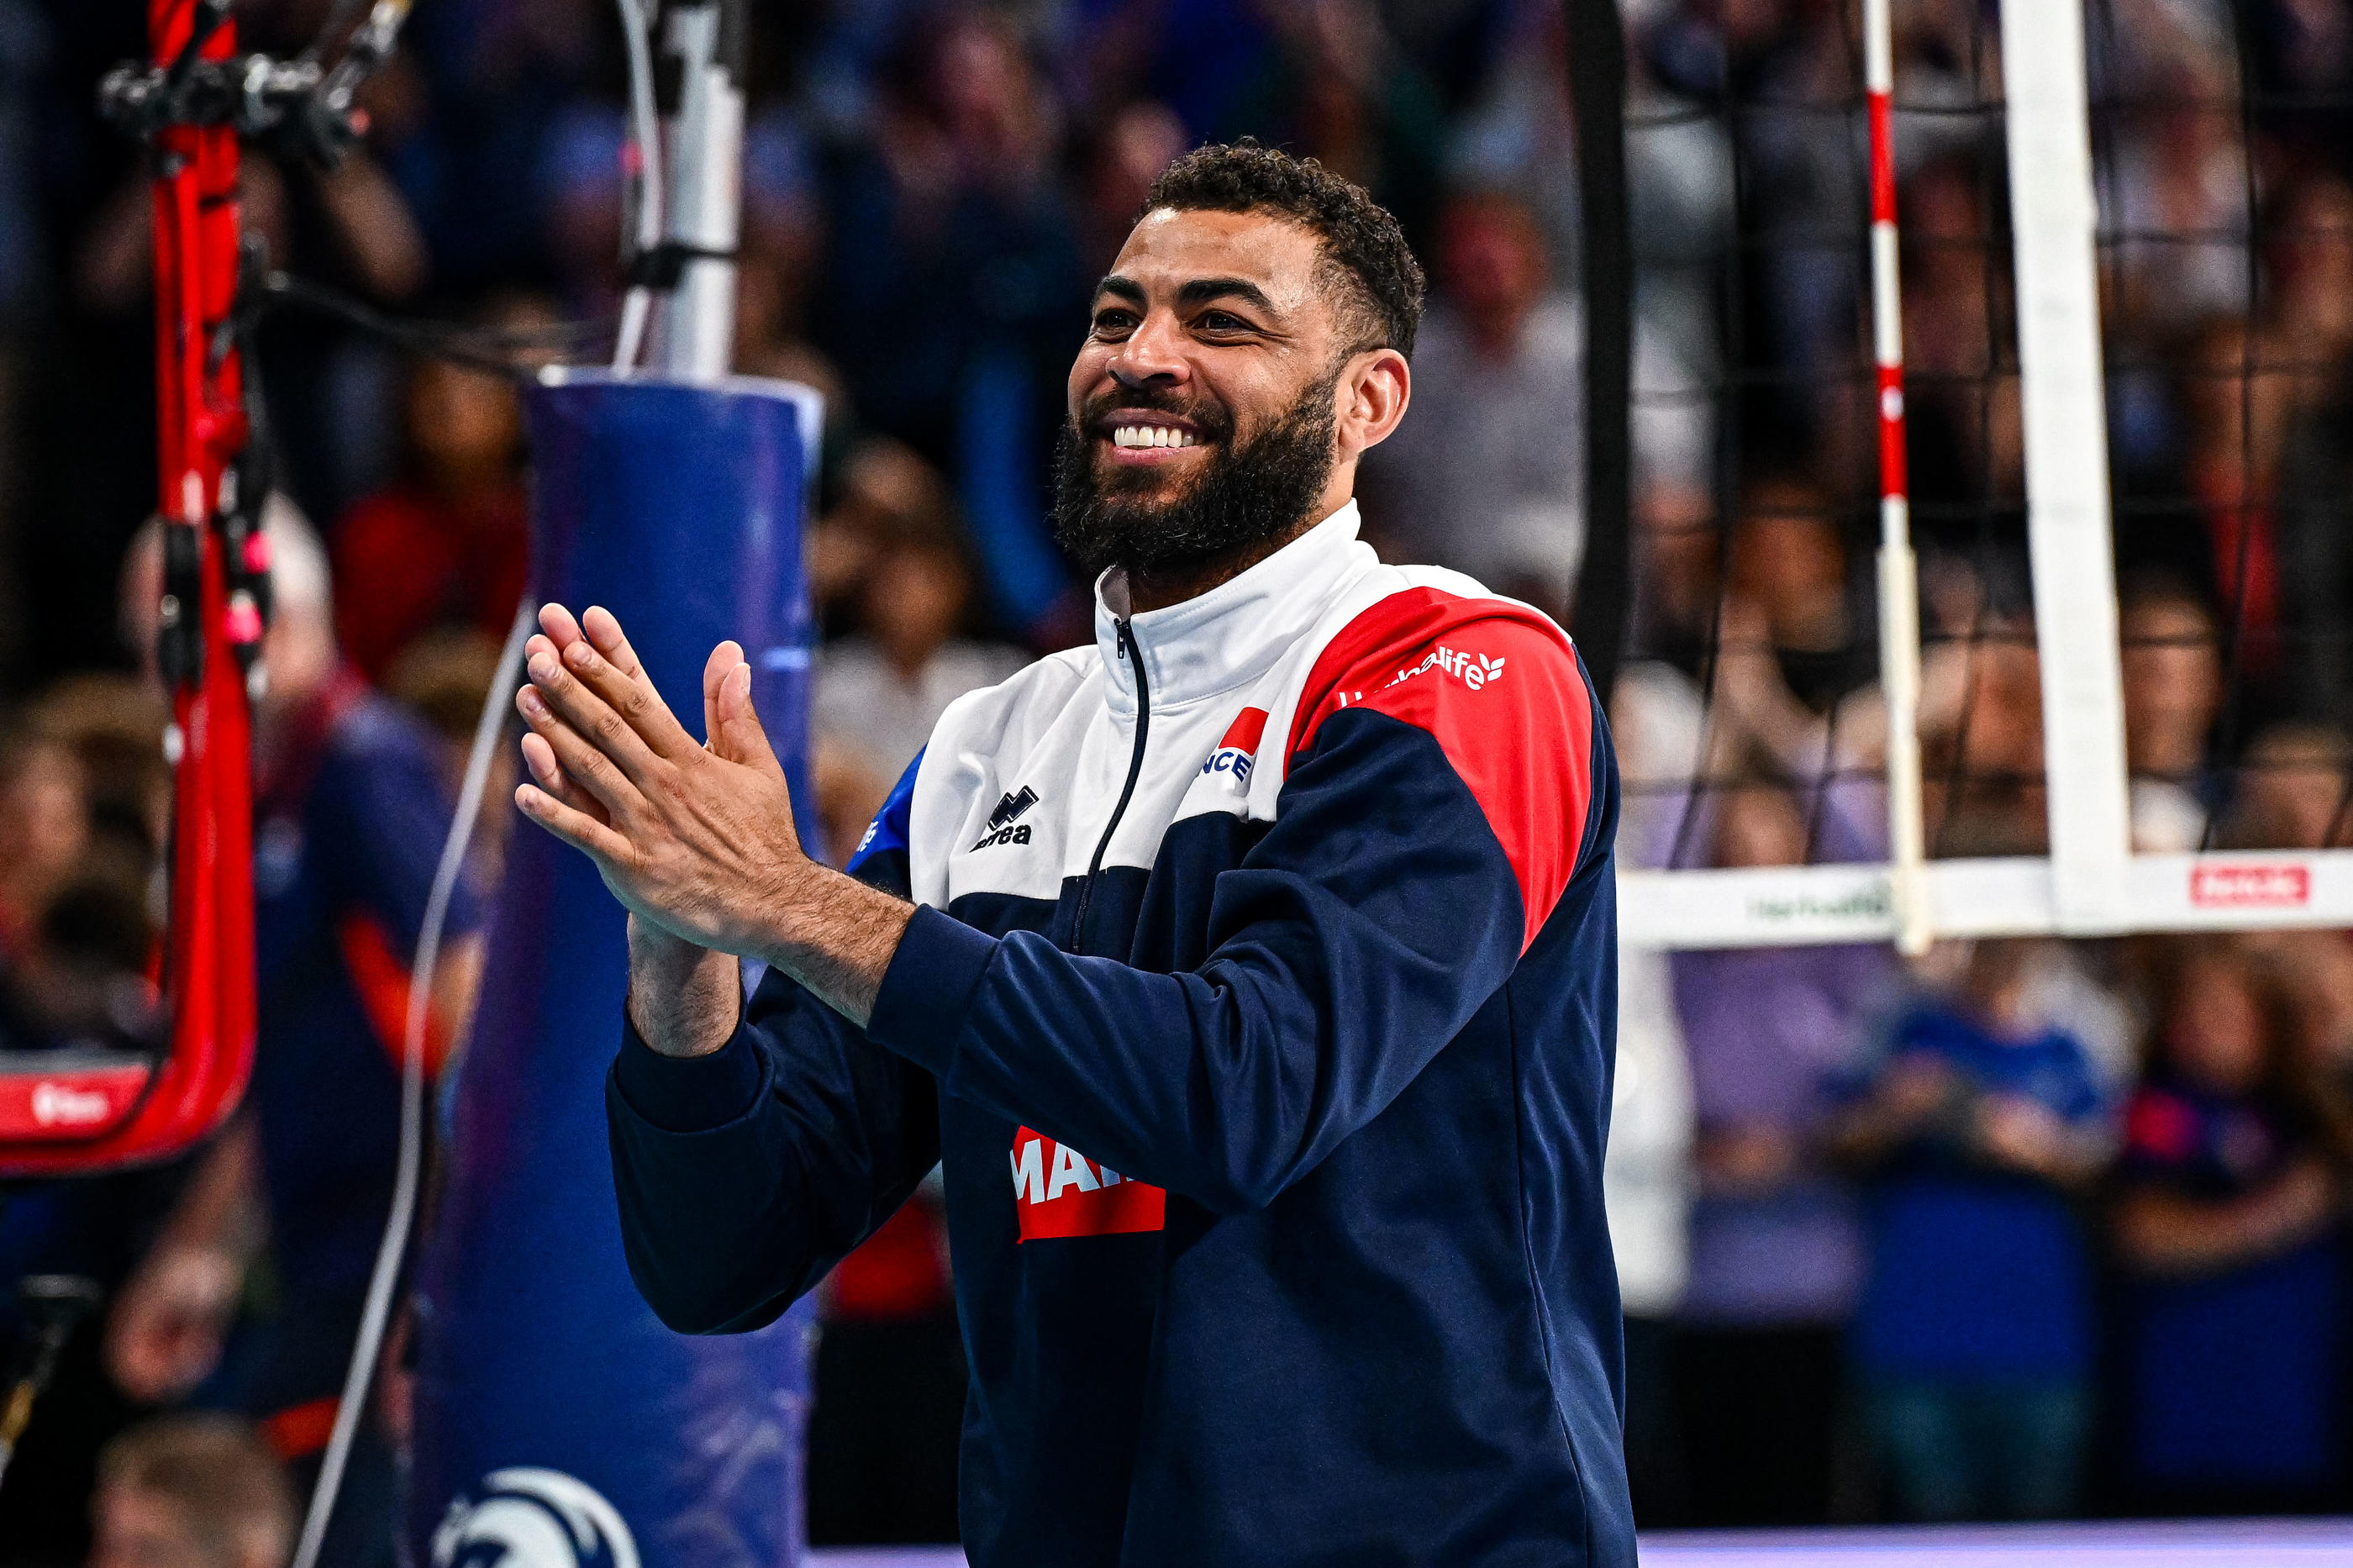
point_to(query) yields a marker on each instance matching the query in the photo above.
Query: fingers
(723, 658)
(600, 629)
(604, 633)
(560, 685)
(634, 702)
(556, 621)
(572, 760)
(739, 736)
(577, 828)
(539, 758)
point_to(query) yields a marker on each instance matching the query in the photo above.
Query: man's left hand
(696, 839)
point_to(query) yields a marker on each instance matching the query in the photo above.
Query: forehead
(1167, 249)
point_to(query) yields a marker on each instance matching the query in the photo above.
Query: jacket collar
(1233, 633)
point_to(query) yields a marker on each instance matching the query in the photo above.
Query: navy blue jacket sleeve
(744, 1175)
(1386, 904)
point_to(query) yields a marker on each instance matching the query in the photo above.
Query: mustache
(1211, 421)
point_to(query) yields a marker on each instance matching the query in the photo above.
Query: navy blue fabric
(2236, 1375)
(361, 839)
(886, 836)
(1380, 1325)
(1975, 1272)
(2237, 1378)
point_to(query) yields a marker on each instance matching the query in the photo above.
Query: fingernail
(579, 654)
(542, 667)
(532, 703)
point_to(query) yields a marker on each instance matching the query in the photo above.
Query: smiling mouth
(1142, 435)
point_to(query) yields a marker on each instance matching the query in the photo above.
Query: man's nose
(1152, 357)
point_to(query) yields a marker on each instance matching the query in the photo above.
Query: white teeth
(1151, 436)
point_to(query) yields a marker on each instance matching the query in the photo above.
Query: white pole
(2053, 220)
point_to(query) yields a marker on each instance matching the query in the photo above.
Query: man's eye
(1113, 323)
(1222, 322)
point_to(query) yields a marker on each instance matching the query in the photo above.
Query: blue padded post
(557, 1421)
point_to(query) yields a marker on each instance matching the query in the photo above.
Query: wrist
(683, 1000)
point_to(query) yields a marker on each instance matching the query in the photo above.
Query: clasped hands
(696, 839)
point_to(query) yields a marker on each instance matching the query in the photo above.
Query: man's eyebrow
(1201, 291)
(1121, 287)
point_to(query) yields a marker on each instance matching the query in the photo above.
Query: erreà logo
(1001, 826)
(1059, 1192)
(1237, 753)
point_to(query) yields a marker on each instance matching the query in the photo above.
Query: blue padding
(545, 1384)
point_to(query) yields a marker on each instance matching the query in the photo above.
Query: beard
(1247, 492)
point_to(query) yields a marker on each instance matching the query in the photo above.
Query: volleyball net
(2067, 316)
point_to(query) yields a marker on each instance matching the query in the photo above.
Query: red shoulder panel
(1500, 688)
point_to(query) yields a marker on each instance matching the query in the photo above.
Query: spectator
(113, 725)
(2178, 186)
(1787, 559)
(446, 544)
(2172, 689)
(2294, 784)
(1488, 476)
(2240, 400)
(2226, 1218)
(953, 285)
(191, 1491)
(350, 817)
(1776, 1248)
(1973, 1340)
(43, 828)
(444, 678)
(1142, 139)
(948, 234)
(878, 693)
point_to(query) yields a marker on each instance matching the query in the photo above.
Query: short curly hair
(1365, 252)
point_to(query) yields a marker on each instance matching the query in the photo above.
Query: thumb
(739, 736)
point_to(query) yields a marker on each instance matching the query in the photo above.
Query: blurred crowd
(2030, 1228)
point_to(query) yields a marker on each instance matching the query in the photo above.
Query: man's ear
(1373, 392)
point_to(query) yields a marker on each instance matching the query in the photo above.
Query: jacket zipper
(1130, 651)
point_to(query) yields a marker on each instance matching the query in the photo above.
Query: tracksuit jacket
(1260, 1009)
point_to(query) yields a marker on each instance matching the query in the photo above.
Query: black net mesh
(1751, 711)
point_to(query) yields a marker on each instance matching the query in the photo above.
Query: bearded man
(1250, 973)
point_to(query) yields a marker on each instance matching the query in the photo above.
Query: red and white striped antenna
(1899, 572)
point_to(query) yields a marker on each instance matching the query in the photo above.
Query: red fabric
(408, 562)
(299, 1431)
(1247, 730)
(897, 1274)
(382, 982)
(1058, 1192)
(2160, 1127)
(1499, 687)
(2239, 527)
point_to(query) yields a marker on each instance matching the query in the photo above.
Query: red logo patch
(1059, 1192)
(1234, 754)
(1247, 727)
(2250, 887)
